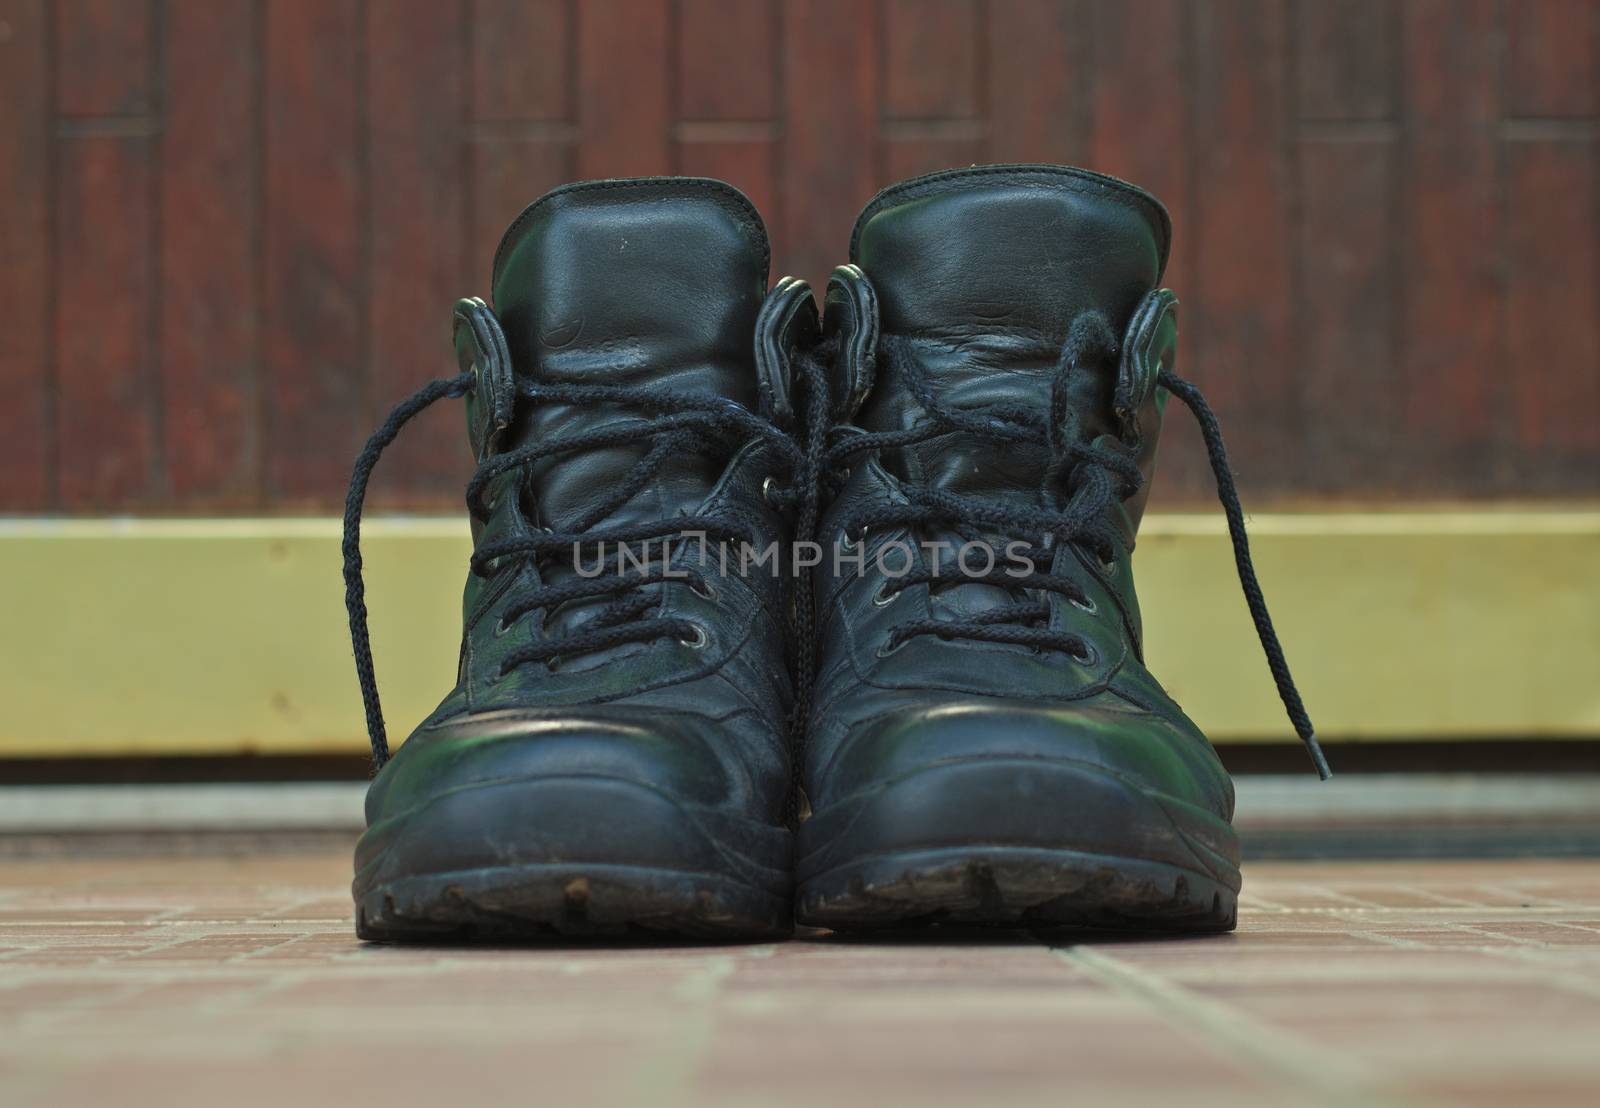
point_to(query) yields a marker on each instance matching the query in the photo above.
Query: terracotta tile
(195, 980)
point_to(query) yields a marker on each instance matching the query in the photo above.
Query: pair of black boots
(777, 616)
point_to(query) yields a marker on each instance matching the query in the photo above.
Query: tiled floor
(218, 982)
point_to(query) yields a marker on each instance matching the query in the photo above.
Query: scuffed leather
(645, 282)
(982, 272)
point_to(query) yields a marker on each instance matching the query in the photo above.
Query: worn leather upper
(656, 283)
(978, 275)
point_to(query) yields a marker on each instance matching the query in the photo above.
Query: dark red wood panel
(911, 149)
(1237, 308)
(1348, 54)
(728, 92)
(727, 60)
(417, 264)
(318, 408)
(210, 253)
(104, 57)
(233, 229)
(1450, 366)
(1137, 132)
(933, 93)
(1550, 70)
(522, 59)
(103, 292)
(1348, 317)
(1551, 310)
(1039, 80)
(831, 110)
(624, 88)
(26, 378)
(931, 52)
(521, 138)
(1548, 157)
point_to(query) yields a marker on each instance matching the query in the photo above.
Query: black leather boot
(987, 746)
(614, 755)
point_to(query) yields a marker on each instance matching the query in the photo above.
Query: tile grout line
(1551, 976)
(1267, 1050)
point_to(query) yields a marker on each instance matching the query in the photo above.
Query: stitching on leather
(740, 201)
(1069, 178)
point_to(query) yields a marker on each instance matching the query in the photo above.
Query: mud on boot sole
(570, 857)
(569, 901)
(1017, 842)
(1015, 887)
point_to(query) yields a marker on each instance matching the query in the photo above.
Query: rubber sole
(1017, 843)
(569, 857)
(569, 901)
(1015, 888)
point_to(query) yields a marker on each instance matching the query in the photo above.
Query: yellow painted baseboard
(228, 636)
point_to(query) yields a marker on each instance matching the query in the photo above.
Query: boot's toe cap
(663, 752)
(1104, 734)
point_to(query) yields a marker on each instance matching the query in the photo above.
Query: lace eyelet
(1089, 656)
(1109, 569)
(502, 628)
(884, 596)
(1087, 604)
(889, 647)
(704, 589)
(768, 485)
(857, 541)
(699, 641)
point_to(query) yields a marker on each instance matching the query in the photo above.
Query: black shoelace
(1081, 484)
(674, 424)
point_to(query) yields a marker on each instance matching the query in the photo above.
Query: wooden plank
(313, 349)
(521, 59)
(1450, 357)
(727, 82)
(1348, 59)
(102, 320)
(1038, 81)
(507, 177)
(830, 105)
(104, 58)
(209, 188)
(1553, 348)
(1139, 46)
(417, 264)
(1349, 268)
(624, 90)
(932, 99)
(931, 59)
(911, 154)
(1550, 59)
(1237, 315)
(26, 369)
(727, 60)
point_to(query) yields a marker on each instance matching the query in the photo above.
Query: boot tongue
(981, 273)
(649, 282)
